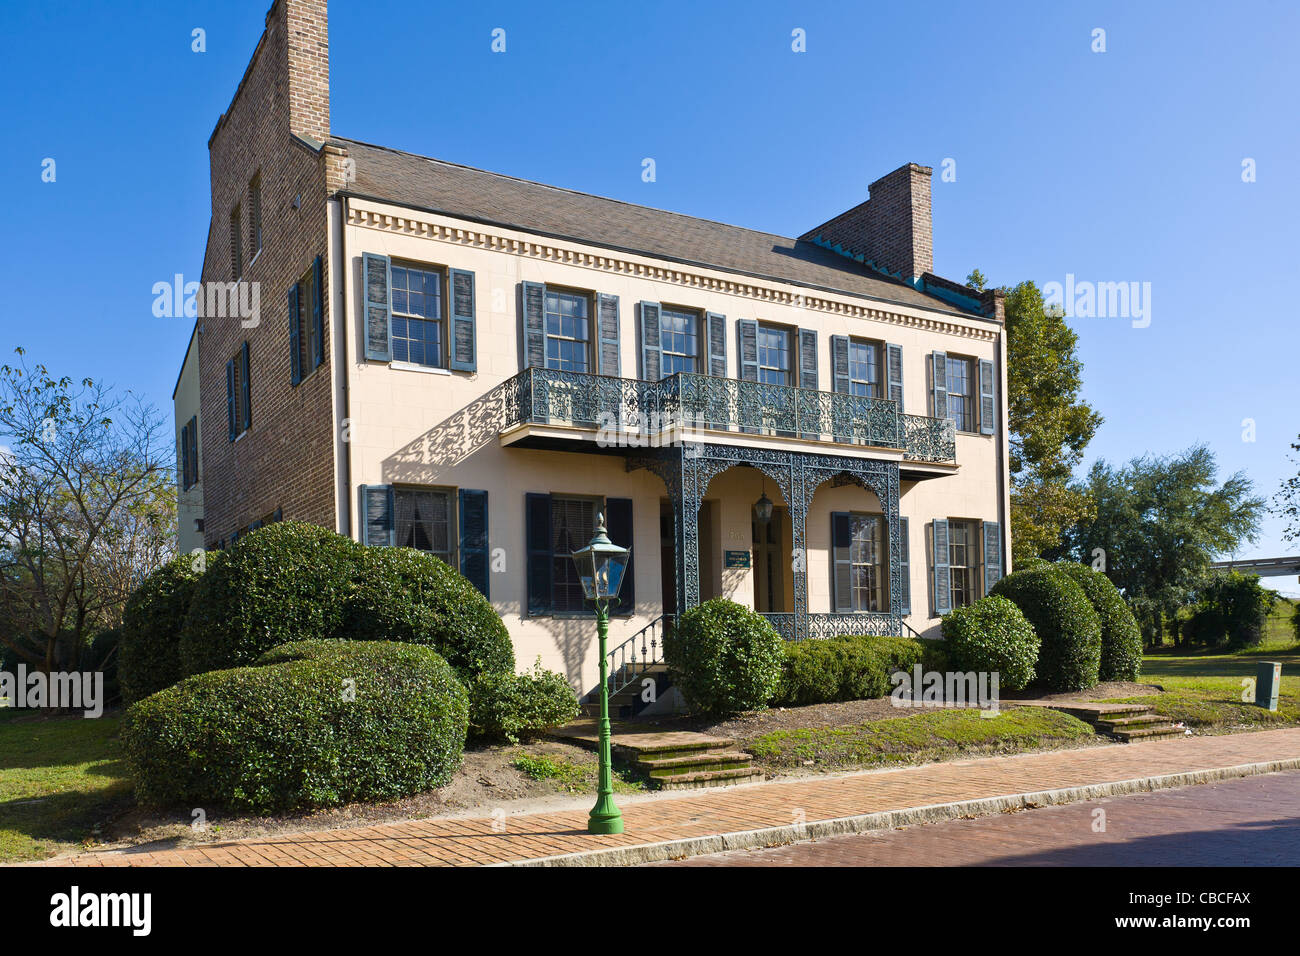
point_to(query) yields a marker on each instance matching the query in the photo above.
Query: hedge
(724, 657)
(992, 636)
(1067, 627)
(312, 724)
(400, 594)
(149, 652)
(510, 706)
(824, 670)
(1121, 637)
(285, 582)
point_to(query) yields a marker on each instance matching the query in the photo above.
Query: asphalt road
(1253, 821)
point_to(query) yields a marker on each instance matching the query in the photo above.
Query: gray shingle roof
(477, 195)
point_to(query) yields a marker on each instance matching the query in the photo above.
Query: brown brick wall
(286, 460)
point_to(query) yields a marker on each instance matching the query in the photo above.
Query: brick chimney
(307, 47)
(892, 231)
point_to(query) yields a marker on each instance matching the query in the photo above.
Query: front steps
(674, 759)
(629, 701)
(1127, 723)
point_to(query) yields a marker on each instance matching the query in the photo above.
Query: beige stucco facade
(406, 426)
(185, 408)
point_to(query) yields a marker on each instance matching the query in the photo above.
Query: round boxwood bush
(400, 594)
(992, 635)
(724, 657)
(509, 706)
(312, 724)
(149, 651)
(1121, 637)
(1068, 629)
(284, 582)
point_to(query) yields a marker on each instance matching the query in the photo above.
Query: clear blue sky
(1115, 166)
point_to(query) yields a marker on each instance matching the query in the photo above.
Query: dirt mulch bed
(486, 782)
(1104, 691)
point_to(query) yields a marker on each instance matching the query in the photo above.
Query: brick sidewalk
(466, 841)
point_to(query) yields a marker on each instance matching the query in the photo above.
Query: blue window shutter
(992, 555)
(618, 523)
(840, 363)
(904, 568)
(379, 308)
(808, 359)
(318, 312)
(651, 342)
(245, 390)
(841, 566)
(532, 319)
(607, 326)
(295, 336)
(464, 337)
(537, 530)
(378, 528)
(894, 374)
(747, 347)
(230, 397)
(942, 573)
(716, 333)
(939, 384)
(988, 408)
(473, 525)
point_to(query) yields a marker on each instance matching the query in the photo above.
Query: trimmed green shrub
(1068, 629)
(1233, 610)
(284, 582)
(1295, 621)
(935, 656)
(724, 657)
(312, 724)
(400, 594)
(149, 655)
(992, 635)
(825, 670)
(508, 706)
(1121, 637)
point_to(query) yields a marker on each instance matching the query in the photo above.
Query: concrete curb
(888, 819)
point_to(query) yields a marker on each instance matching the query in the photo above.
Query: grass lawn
(575, 777)
(60, 778)
(936, 735)
(1204, 688)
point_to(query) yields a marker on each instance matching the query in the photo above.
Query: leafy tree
(1286, 502)
(1159, 523)
(1050, 425)
(87, 509)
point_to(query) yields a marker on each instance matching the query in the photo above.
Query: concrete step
(1151, 733)
(709, 778)
(1135, 722)
(673, 767)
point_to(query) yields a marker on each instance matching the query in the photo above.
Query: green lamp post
(600, 568)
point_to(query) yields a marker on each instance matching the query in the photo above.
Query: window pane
(423, 521)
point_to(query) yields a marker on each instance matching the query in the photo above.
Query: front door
(769, 563)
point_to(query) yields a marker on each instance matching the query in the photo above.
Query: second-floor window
(864, 368)
(568, 331)
(239, 389)
(961, 393)
(418, 316)
(236, 244)
(255, 215)
(774, 355)
(680, 341)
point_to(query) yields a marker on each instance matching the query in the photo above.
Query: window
(568, 331)
(190, 454)
(573, 522)
(423, 521)
(963, 561)
(418, 316)
(864, 369)
(236, 245)
(239, 402)
(255, 215)
(310, 350)
(774, 355)
(961, 397)
(859, 562)
(680, 340)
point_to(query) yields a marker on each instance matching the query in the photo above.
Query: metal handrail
(627, 661)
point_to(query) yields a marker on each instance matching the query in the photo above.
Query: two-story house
(477, 366)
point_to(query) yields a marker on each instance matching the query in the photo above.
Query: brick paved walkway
(474, 841)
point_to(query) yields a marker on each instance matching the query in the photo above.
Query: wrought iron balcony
(692, 402)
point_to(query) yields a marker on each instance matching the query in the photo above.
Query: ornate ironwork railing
(633, 411)
(783, 622)
(836, 625)
(929, 439)
(633, 657)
